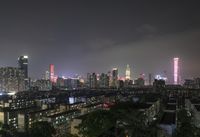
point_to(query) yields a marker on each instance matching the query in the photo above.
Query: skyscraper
(47, 75)
(176, 71)
(104, 81)
(128, 72)
(92, 80)
(115, 78)
(51, 70)
(23, 65)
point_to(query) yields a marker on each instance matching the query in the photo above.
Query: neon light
(176, 71)
(51, 68)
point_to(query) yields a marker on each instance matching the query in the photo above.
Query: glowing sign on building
(176, 71)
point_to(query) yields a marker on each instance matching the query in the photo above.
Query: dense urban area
(99, 106)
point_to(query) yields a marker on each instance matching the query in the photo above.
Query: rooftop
(63, 113)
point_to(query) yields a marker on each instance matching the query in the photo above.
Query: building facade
(11, 79)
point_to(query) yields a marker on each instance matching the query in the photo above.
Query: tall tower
(115, 77)
(51, 70)
(128, 72)
(150, 79)
(23, 66)
(176, 71)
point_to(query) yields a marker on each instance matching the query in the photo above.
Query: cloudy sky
(81, 36)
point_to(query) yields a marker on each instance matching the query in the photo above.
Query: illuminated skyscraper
(51, 70)
(128, 72)
(176, 71)
(23, 65)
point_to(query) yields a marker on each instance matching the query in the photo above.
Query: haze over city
(99, 68)
(95, 36)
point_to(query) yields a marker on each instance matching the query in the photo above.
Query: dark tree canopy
(42, 129)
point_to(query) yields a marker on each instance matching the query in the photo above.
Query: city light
(128, 72)
(176, 71)
(51, 68)
(25, 56)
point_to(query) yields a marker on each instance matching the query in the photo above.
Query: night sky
(94, 36)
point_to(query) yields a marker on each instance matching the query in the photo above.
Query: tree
(96, 123)
(129, 120)
(185, 127)
(120, 120)
(41, 129)
(5, 130)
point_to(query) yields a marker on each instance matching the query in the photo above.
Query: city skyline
(96, 36)
(99, 68)
(53, 75)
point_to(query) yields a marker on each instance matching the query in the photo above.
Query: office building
(115, 78)
(23, 65)
(47, 75)
(104, 81)
(92, 80)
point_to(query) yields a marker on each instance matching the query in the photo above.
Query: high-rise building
(23, 65)
(51, 71)
(104, 81)
(88, 81)
(176, 71)
(92, 80)
(11, 79)
(128, 72)
(115, 78)
(47, 75)
(60, 82)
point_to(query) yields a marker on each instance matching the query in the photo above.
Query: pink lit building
(176, 71)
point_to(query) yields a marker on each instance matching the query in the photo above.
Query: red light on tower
(51, 68)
